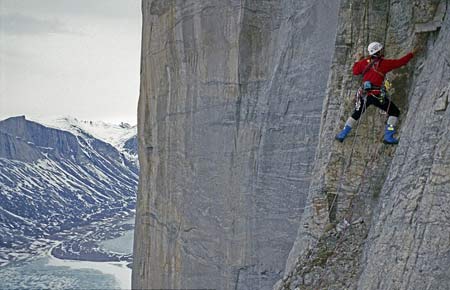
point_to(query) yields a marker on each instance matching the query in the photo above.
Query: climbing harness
(380, 93)
(367, 89)
(360, 98)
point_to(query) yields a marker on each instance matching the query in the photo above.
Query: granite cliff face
(229, 112)
(379, 214)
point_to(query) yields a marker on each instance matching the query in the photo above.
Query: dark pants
(384, 104)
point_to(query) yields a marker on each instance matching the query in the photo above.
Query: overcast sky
(70, 57)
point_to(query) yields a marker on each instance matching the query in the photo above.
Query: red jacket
(377, 72)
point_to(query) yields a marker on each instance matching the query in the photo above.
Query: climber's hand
(358, 56)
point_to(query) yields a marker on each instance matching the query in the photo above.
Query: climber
(373, 92)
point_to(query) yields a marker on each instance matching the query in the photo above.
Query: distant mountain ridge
(122, 136)
(114, 134)
(53, 179)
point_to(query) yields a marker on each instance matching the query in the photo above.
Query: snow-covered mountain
(113, 134)
(64, 174)
(122, 136)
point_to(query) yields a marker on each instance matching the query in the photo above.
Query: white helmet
(374, 47)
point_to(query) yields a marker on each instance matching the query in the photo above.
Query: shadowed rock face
(30, 133)
(131, 145)
(395, 198)
(229, 111)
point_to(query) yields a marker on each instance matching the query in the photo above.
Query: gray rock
(401, 193)
(228, 116)
(13, 147)
(229, 110)
(409, 245)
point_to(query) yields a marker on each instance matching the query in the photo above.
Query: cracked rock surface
(229, 111)
(238, 181)
(402, 193)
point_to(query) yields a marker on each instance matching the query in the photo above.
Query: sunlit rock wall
(229, 113)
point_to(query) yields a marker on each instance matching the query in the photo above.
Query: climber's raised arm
(391, 64)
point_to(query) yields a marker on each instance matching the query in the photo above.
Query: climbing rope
(348, 161)
(374, 157)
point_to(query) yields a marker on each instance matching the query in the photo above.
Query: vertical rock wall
(229, 110)
(409, 243)
(378, 214)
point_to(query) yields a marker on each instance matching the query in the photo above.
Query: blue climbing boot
(341, 136)
(389, 135)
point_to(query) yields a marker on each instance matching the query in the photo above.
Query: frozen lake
(48, 272)
(122, 244)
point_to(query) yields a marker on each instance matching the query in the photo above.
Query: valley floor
(85, 243)
(86, 257)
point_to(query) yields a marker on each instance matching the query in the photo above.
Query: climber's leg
(390, 131)
(347, 128)
(358, 111)
(351, 121)
(393, 112)
(386, 105)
